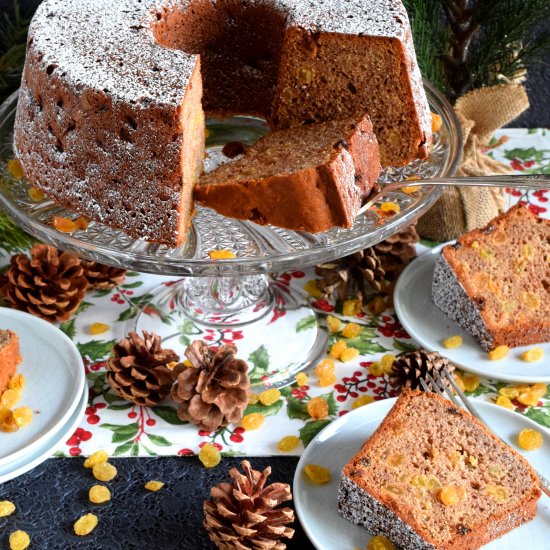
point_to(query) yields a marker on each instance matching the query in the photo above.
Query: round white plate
(45, 450)
(55, 376)
(429, 326)
(316, 505)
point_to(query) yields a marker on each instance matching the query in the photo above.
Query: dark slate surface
(54, 495)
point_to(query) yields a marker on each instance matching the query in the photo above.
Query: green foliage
(13, 36)
(12, 238)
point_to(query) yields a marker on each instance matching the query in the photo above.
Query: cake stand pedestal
(272, 322)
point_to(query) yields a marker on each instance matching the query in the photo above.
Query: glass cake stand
(277, 327)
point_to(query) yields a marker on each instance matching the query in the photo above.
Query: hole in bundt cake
(50, 69)
(124, 135)
(131, 122)
(60, 102)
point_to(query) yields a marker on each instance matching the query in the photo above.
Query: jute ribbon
(461, 209)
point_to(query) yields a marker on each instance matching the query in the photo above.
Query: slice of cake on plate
(310, 178)
(495, 281)
(9, 356)
(433, 477)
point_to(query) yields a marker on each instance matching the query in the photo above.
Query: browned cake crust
(495, 281)
(110, 121)
(9, 356)
(426, 436)
(310, 178)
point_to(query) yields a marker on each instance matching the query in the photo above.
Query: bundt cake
(433, 477)
(309, 178)
(110, 117)
(495, 281)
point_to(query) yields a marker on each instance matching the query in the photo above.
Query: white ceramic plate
(47, 447)
(316, 505)
(55, 377)
(429, 326)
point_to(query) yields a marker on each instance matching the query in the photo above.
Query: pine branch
(12, 238)
(13, 34)
(430, 39)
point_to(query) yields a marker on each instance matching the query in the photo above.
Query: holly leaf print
(68, 328)
(525, 154)
(266, 410)
(83, 307)
(122, 432)
(169, 414)
(365, 343)
(159, 440)
(185, 330)
(539, 416)
(297, 408)
(260, 360)
(96, 349)
(404, 346)
(123, 449)
(306, 323)
(311, 429)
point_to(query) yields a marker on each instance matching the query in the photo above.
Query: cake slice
(9, 356)
(495, 281)
(310, 178)
(433, 477)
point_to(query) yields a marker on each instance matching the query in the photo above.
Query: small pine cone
(138, 370)
(397, 251)
(411, 367)
(215, 390)
(103, 277)
(50, 284)
(243, 514)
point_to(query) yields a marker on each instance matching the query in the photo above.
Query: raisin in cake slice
(9, 356)
(495, 281)
(433, 477)
(310, 178)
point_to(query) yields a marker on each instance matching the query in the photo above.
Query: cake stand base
(272, 325)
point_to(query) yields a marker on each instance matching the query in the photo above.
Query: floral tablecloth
(123, 429)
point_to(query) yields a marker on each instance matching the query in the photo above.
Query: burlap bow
(461, 209)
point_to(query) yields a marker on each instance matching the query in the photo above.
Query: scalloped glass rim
(154, 258)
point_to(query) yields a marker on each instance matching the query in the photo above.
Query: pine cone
(138, 371)
(243, 514)
(215, 390)
(357, 275)
(411, 367)
(103, 276)
(397, 251)
(51, 284)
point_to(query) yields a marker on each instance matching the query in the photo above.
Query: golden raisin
(17, 382)
(377, 305)
(326, 367)
(317, 408)
(539, 389)
(36, 194)
(338, 348)
(505, 402)
(19, 540)
(390, 207)
(437, 122)
(376, 369)
(104, 471)
(10, 398)
(528, 398)
(85, 525)
(96, 458)
(15, 169)
(222, 255)
(532, 355)
(511, 392)
(380, 542)
(253, 421)
(387, 362)
(64, 224)
(288, 443)
(362, 401)
(210, 455)
(82, 223)
(98, 494)
(6, 508)
(351, 330)
(411, 189)
(333, 324)
(471, 382)
(349, 354)
(8, 422)
(327, 380)
(268, 397)
(530, 440)
(254, 399)
(498, 492)
(499, 353)
(452, 342)
(312, 288)
(23, 416)
(530, 300)
(154, 485)
(301, 379)
(352, 307)
(449, 496)
(99, 328)
(304, 75)
(396, 459)
(317, 474)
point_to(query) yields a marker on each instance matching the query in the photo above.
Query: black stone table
(53, 496)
